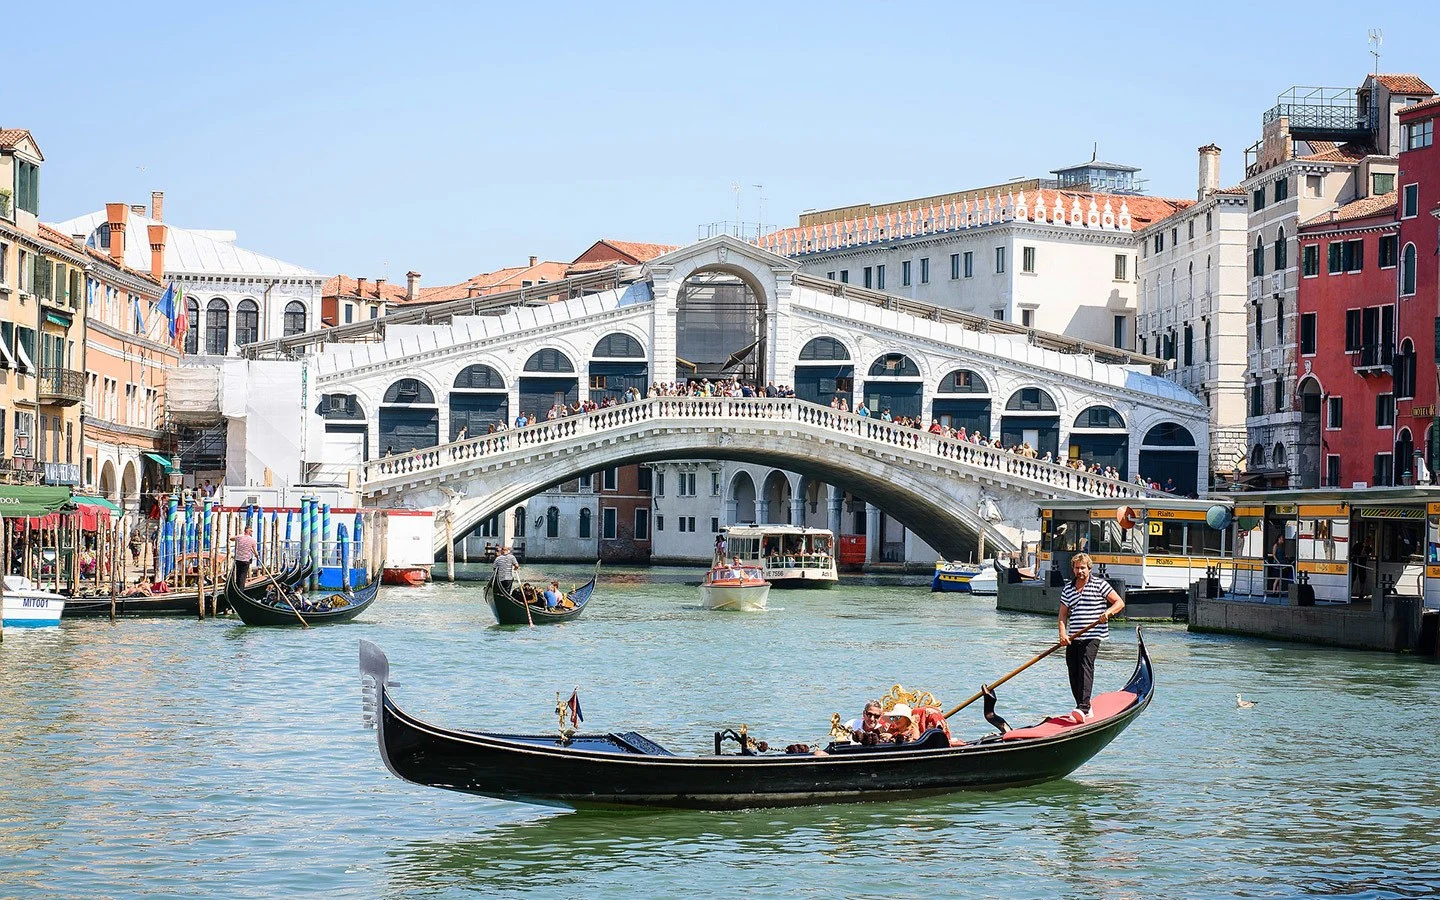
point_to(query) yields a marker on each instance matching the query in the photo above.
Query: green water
(171, 758)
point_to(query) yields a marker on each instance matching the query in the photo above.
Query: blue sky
(376, 138)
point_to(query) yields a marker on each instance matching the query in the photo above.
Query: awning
(95, 512)
(31, 500)
(57, 319)
(24, 358)
(96, 501)
(164, 461)
(7, 359)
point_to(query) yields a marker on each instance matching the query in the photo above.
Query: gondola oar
(994, 684)
(279, 589)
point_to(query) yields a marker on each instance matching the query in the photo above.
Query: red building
(1418, 206)
(1349, 433)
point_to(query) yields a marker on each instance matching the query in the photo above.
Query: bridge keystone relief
(406, 410)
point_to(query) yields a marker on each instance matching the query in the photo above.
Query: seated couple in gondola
(901, 725)
(550, 597)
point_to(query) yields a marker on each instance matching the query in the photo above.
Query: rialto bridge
(407, 412)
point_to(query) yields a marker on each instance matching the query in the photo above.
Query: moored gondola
(627, 769)
(264, 606)
(179, 603)
(512, 610)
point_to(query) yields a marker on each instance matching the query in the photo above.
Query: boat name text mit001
(39, 602)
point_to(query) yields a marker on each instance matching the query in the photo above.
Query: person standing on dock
(244, 554)
(505, 567)
(1085, 601)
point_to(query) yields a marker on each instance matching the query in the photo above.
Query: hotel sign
(1422, 412)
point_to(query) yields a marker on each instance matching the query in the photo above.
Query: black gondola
(626, 769)
(263, 606)
(511, 610)
(177, 603)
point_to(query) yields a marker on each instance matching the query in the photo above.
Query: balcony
(1324, 114)
(60, 387)
(1373, 359)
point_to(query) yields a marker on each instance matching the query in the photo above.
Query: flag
(182, 320)
(139, 316)
(167, 307)
(576, 716)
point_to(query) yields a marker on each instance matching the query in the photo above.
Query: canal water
(209, 759)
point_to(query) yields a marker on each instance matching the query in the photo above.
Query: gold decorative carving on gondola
(911, 699)
(838, 731)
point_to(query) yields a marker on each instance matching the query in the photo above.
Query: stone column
(873, 537)
(730, 506)
(836, 507)
(762, 511)
(797, 510)
(663, 338)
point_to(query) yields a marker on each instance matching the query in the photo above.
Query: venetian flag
(139, 316)
(181, 323)
(576, 716)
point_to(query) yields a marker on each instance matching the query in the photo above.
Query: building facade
(1192, 305)
(1418, 306)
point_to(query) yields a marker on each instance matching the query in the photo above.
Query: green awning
(164, 461)
(31, 500)
(96, 501)
(57, 319)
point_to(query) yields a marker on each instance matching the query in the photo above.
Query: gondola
(177, 603)
(258, 606)
(626, 769)
(511, 610)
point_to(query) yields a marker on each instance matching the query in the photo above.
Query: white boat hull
(32, 610)
(742, 598)
(984, 584)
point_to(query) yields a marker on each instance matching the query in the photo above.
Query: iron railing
(61, 387)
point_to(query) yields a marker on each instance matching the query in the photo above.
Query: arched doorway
(1031, 417)
(107, 483)
(963, 401)
(409, 417)
(1100, 438)
(549, 380)
(1404, 457)
(478, 399)
(742, 495)
(719, 328)
(1169, 458)
(825, 372)
(130, 489)
(777, 499)
(617, 363)
(347, 434)
(894, 383)
(1308, 460)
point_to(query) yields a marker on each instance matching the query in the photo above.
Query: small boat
(627, 769)
(260, 604)
(734, 587)
(512, 610)
(405, 576)
(954, 577)
(985, 584)
(26, 606)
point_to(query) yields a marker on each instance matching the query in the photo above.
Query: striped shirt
(1086, 606)
(505, 566)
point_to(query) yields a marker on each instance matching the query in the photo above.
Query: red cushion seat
(1102, 707)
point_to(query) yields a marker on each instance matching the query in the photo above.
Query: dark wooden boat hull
(626, 770)
(253, 611)
(511, 610)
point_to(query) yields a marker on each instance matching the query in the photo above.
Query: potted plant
(5, 194)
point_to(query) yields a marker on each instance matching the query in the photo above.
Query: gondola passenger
(552, 595)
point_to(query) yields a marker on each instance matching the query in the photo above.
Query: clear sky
(455, 139)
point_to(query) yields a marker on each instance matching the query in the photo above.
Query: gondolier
(244, 554)
(1085, 601)
(506, 566)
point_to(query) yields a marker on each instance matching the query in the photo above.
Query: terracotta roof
(1404, 84)
(345, 286)
(1364, 208)
(1237, 189)
(1422, 105)
(640, 252)
(9, 137)
(1331, 153)
(60, 239)
(493, 282)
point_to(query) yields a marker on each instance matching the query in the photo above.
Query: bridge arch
(894, 380)
(409, 417)
(547, 378)
(1169, 456)
(1032, 417)
(478, 398)
(825, 369)
(1100, 437)
(618, 362)
(962, 400)
(741, 500)
(721, 320)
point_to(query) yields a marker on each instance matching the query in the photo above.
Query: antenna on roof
(1377, 37)
(760, 193)
(1095, 152)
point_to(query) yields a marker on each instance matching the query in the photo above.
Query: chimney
(359, 287)
(115, 218)
(1209, 171)
(157, 205)
(533, 260)
(469, 293)
(157, 251)
(412, 285)
(379, 294)
(138, 209)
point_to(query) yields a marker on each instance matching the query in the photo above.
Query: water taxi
(786, 555)
(956, 577)
(734, 587)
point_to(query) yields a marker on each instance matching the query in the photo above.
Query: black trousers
(1080, 660)
(242, 572)
(506, 587)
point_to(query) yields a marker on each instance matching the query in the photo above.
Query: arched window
(1030, 400)
(409, 392)
(1281, 251)
(1190, 281)
(549, 360)
(1099, 417)
(894, 365)
(584, 523)
(1278, 458)
(619, 346)
(294, 318)
(1407, 270)
(1257, 267)
(339, 406)
(247, 322)
(1404, 371)
(479, 378)
(192, 327)
(1173, 434)
(552, 522)
(963, 381)
(1257, 457)
(520, 521)
(823, 348)
(217, 327)
(1404, 455)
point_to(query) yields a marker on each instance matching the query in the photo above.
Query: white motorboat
(984, 583)
(26, 606)
(741, 588)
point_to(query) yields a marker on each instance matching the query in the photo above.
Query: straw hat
(901, 711)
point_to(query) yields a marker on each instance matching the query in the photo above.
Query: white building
(1192, 304)
(233, 296)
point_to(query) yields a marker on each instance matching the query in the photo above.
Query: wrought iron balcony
(1373, 359)
(1324, 114)
(61, 387)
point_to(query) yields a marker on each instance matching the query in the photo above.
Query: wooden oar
(281, 591)
(994, 684)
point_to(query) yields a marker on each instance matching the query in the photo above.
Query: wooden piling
(449, 547)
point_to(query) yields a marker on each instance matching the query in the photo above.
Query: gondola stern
(374, 699)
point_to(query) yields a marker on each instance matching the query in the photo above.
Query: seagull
(1242, 703)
